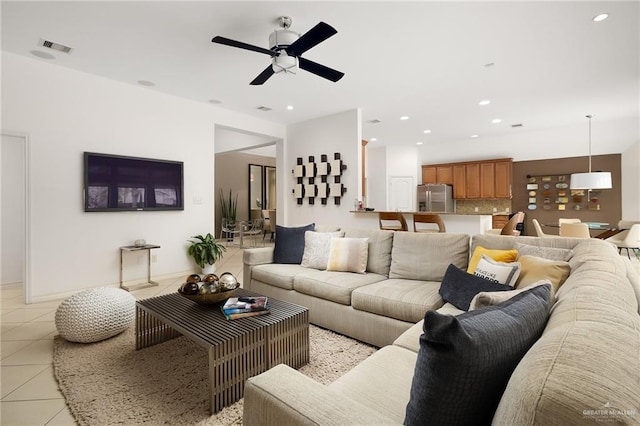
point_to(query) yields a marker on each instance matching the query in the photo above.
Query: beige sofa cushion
(426, 256)
(406, 300)
(333, 286)
(381, 382)
(379, 257)
(278, 275)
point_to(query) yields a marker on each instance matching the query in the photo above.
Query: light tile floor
(30, 394)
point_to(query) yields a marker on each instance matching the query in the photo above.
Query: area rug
(109, 382)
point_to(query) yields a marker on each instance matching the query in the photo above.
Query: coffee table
(237, 349)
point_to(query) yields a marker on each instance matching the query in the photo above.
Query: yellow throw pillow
(348, 255)
(506, 256)
(534, 269)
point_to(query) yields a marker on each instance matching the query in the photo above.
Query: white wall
(13, 153)
(65, 113)
(376, 171)
(631, 183)
(326, 135)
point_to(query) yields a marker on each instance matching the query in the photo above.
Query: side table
(149, 283)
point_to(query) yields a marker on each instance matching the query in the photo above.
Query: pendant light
(591, 180)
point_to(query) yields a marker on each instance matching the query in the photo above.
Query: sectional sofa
(583, 369)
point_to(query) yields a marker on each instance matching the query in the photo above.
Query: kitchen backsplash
(484, 206)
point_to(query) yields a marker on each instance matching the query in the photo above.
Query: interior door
(402, 193)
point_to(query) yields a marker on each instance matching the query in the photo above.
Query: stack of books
(241, 307)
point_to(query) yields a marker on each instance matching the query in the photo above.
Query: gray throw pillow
(459, 287)
(289, 245)
(551, 253)
(465, 361)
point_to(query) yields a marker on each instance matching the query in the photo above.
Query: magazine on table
(240, 305)
(246, 314)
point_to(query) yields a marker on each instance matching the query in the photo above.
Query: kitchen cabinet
(472, 171)
(503, 179)
(459, 181)
(429, 174)
(487, 180)
(437, 174)
(499, 221)
(474, 180)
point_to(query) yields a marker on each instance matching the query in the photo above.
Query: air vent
(517, 125)
(55, 46)
(375, 121)
(264, 108)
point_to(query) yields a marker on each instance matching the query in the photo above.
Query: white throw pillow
(348, 255)
(500, 272)
(316, 248)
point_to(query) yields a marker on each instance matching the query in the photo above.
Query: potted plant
(206, 252)
(228, 209)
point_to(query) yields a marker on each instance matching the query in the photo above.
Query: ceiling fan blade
(264, 76)
(241, 45)
(311, 38)
(320, 70)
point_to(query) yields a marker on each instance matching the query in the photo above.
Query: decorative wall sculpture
(318, 180)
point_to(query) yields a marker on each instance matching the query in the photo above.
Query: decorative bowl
(210, 298)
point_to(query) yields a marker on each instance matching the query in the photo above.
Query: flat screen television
(119, 183)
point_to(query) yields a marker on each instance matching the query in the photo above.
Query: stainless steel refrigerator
(435, 198)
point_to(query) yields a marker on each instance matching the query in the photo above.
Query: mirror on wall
(269, 187)
(256, 194)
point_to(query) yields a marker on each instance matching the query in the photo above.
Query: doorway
(402, 191)
(13, 263)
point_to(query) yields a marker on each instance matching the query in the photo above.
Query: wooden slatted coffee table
(238, 349)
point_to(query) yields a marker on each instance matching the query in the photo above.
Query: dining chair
(272, 224)
(629, 239)
(510, 227)
(575, 230)
(253, 230)
(392, 221)
(266, 222)
(568, 220)
(539, 232)
(426, 218)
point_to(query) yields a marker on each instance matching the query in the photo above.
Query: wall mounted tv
(118, 183)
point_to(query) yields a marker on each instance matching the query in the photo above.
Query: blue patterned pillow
(289, 245)
(465, 361)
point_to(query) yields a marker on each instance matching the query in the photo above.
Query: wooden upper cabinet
(487, 180)
(472, 180)
(444, 174)
(459, 181)
(503, 171)
(429, 174)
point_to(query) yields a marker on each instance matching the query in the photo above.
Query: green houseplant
(228, 209)
(206, 252)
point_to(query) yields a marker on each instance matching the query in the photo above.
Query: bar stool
(428, 218)
(398, 218)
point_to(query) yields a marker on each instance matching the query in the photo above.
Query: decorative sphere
(210, 278)
(194, 278)
(228, 281)
(189, 288)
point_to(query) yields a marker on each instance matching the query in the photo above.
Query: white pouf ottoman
(95, 314)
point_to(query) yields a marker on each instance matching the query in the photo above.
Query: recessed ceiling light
(146, 83)
(484, 102)
(215, 101)
(404, 117)
(418, 143)
(289, 107)
(427, 131)
(373, 139)
(42, 55)
(600, 17)
(496, 121)
(474, 136)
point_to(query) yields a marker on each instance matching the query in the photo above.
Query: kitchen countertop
(412, 212)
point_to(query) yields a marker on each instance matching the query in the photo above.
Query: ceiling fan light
(591, 180)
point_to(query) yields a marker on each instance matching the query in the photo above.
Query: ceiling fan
(286, 48)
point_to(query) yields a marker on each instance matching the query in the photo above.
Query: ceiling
(541, 64)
